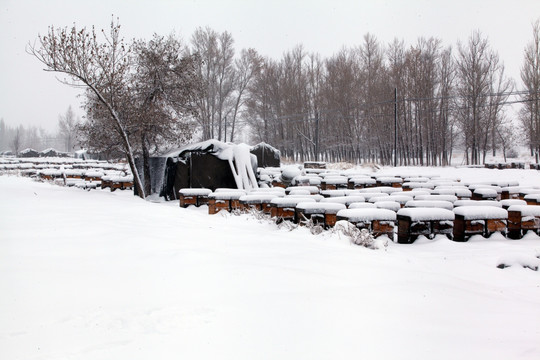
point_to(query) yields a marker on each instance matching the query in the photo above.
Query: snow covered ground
(101, 275)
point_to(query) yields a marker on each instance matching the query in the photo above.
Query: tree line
(16, 138)
(407, 104)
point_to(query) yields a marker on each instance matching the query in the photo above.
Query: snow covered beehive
(449, 198)
(334, 182)
(224, 200)
(361, 182)
(466, 202)
(320, 213)
(478, 220)
(413, 222)
(260, 201)
(347, 200)
(377, 221)
(193, 196)
(430, 204)
(523, 218)
(285, 207)
(392, 181)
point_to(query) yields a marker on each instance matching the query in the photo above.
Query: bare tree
(530, 75)
(16, 141)
(100, 67)
(67, 127)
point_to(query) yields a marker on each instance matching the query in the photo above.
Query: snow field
(101, 275)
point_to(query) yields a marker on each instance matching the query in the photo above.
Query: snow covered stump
(413, 222)
(320, 213)
(478, 220)
(523, 218)
(193, 196)
(376, 221)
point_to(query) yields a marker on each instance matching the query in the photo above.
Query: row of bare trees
(346, 107)
(17, 138)
(375, 102)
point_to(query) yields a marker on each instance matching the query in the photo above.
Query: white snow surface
(105, 275)
(481, 212)
(426, 214)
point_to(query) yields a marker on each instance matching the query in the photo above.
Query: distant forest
(411, 104)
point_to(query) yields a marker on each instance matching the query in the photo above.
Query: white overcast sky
(30, 96)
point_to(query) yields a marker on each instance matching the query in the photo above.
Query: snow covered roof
(426, 214)
(481, 212)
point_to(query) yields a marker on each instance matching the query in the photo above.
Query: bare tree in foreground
(101, 67)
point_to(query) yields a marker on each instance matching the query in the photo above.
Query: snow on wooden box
(224, 200)
(449, 198)
(378, 196)
(527, 191)
(401, 199)
(360, 205)
(419, 179)
(347, 200)
(466, 202)
(390, 205)
(259, 202)
(322, 213)
(429, 204)
(334, 182)
(193, 196)
(392, 181)
(50, 174)
(285, 207)
(413, 222)
(377, 221)
(459, 192)
(481, 220)
(509, 202)
(333, 193)
(532, 199)
(408, 186)
(485, 194)
(361, 182)
(317, 197)
(510, 192)
(523, 218)
(311, 189)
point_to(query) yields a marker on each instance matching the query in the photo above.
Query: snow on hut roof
(367, 214)
(238, 156)
(427, 214)
(265, 145)
(481, 212)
